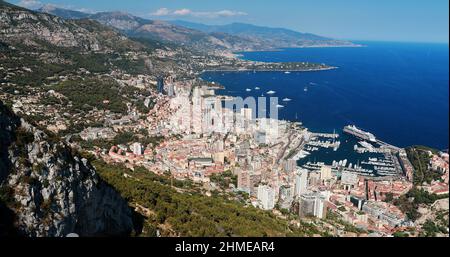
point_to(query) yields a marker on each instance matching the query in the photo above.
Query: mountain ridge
(232, 37)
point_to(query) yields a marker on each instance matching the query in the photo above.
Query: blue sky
(383, 20)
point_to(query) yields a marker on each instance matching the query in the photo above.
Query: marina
(367, 157)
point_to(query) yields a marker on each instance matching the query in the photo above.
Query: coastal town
(199, 138)
(169, 121)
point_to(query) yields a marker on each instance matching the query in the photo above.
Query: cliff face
(19, 25)
(51, 190)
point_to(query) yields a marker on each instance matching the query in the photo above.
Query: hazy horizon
(394, 21)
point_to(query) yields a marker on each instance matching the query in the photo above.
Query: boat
(353, 130)
(280, 106)
(248, 90)
(271, 92)
(287, 100)
(257, 88)
(287, 72)
(305, 89)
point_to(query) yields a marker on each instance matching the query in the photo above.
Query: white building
(320, 206)
(301, 182)
(266, 197)
(349, 178)
(325, 173)
(137, 149)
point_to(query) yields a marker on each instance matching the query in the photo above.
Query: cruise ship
(353, 130)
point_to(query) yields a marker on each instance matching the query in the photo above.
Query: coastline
(269, 70)
(298, 47)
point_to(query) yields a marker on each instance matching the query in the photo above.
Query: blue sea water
(398, 91)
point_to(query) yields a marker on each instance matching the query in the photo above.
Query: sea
(397, 91)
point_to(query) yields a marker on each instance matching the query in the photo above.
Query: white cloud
(30, 4)
(161, 12)
(188, 12)
(183, 12)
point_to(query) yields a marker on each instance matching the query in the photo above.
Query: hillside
(161, 31)
(35, 29)
(233, 37)
(182, 210)
(47, 189)
(266, 36)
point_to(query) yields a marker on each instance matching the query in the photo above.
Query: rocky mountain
(273, 37)
(162, 31)
(234, 37)
(50, 190)
(63, 13)
(19, 25)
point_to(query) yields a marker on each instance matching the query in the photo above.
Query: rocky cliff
(19, 25)
(50, 189)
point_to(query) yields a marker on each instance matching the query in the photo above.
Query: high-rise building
(290, 165)
(243, 183)
(160, 85)
(301, 182)
(325, 173)
(313, 204)
(285, 197)
(171, 90)
(247, 113)
(266, 197)
(306, 205)
(320, 206)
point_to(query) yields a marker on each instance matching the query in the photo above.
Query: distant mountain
(63, 13)
(233, 37)
(275, 37)
(162, 31)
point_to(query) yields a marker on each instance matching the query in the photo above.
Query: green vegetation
(23, 138)
(92, 93)
(190, 213)
(224, 179)
(431, 229)
(400, 234)
(409, 203)
(420, 159)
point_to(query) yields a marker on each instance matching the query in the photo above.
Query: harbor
(356, 151)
